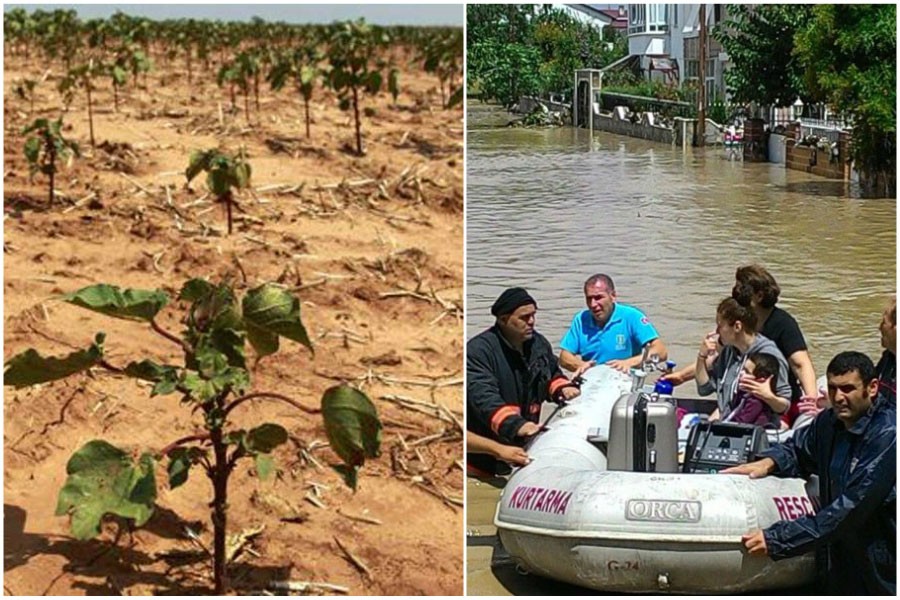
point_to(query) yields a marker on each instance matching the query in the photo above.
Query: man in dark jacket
(852, 448)
(510, 371)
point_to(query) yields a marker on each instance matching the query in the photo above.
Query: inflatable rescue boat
(605, 504)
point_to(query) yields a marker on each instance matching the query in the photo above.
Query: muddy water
(545, 208)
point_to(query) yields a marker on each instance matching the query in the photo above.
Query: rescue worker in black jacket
(510, 370)
(852, 448)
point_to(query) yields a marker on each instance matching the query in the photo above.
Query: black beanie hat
(510, 300)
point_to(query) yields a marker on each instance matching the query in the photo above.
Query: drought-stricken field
(372, 246)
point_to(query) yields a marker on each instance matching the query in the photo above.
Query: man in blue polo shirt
(608, 332)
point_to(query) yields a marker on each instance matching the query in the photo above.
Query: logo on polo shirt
(645, 321)
(620, 341)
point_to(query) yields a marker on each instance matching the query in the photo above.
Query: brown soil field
(372, 246)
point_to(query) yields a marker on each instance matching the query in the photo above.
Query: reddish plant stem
(197, 437)
(238, 401)
(169, 336)
(219, 515)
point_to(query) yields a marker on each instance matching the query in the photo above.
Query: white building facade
(666, 38)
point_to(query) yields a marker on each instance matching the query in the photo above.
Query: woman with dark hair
(720, 371)
(755, 287)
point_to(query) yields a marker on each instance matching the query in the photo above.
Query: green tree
(759, 40)
(849, 51)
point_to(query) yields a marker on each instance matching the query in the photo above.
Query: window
(656, 18)
(637, 15)
(691, 69)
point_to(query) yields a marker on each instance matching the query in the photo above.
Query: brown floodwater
(546, 208)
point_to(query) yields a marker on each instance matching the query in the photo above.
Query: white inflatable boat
(568, 517)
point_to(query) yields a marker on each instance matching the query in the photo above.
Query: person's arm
(811, 401)
(484, 402)
(802, 366)
(656, 346)
(573, 362)
(707, 356)
(756, 469)
(560, 388)
(681, 376)
(870, 483)
(478, 444)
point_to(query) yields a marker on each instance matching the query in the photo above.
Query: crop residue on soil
(371, 245)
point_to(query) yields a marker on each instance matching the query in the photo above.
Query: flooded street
(546, 208)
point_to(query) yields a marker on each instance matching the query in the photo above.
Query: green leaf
(199, 389)
(30, 368)
(180, 462)
(265, 438)
(349, 474)
(195, 289)
(352, 424)
(265, 466)
(271, 311)
(234, 437)
(307, 75)
(199, 162)
(165, 376)
(32, 149)
(119, 75)
(218, 182)
(242, 175)
(105, 480)
(373, 82)
(134, 305)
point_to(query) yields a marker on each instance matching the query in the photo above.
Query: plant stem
(169, 336)
(197, 437)
(306, 105)
(87, 88)
(238, 401)
(219, 514)
(227, 198)
(356, 116)
(51, 151)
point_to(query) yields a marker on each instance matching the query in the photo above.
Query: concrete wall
(654, 133)
(813, 160)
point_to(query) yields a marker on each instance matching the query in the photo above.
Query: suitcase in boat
(643, 434)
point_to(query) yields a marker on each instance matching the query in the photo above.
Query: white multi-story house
(666, 38)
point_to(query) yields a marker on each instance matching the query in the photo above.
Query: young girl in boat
(747, 407)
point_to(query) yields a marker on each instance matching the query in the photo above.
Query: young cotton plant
(214, 381)
(356, 67)
(46, 147)
(224, 173)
